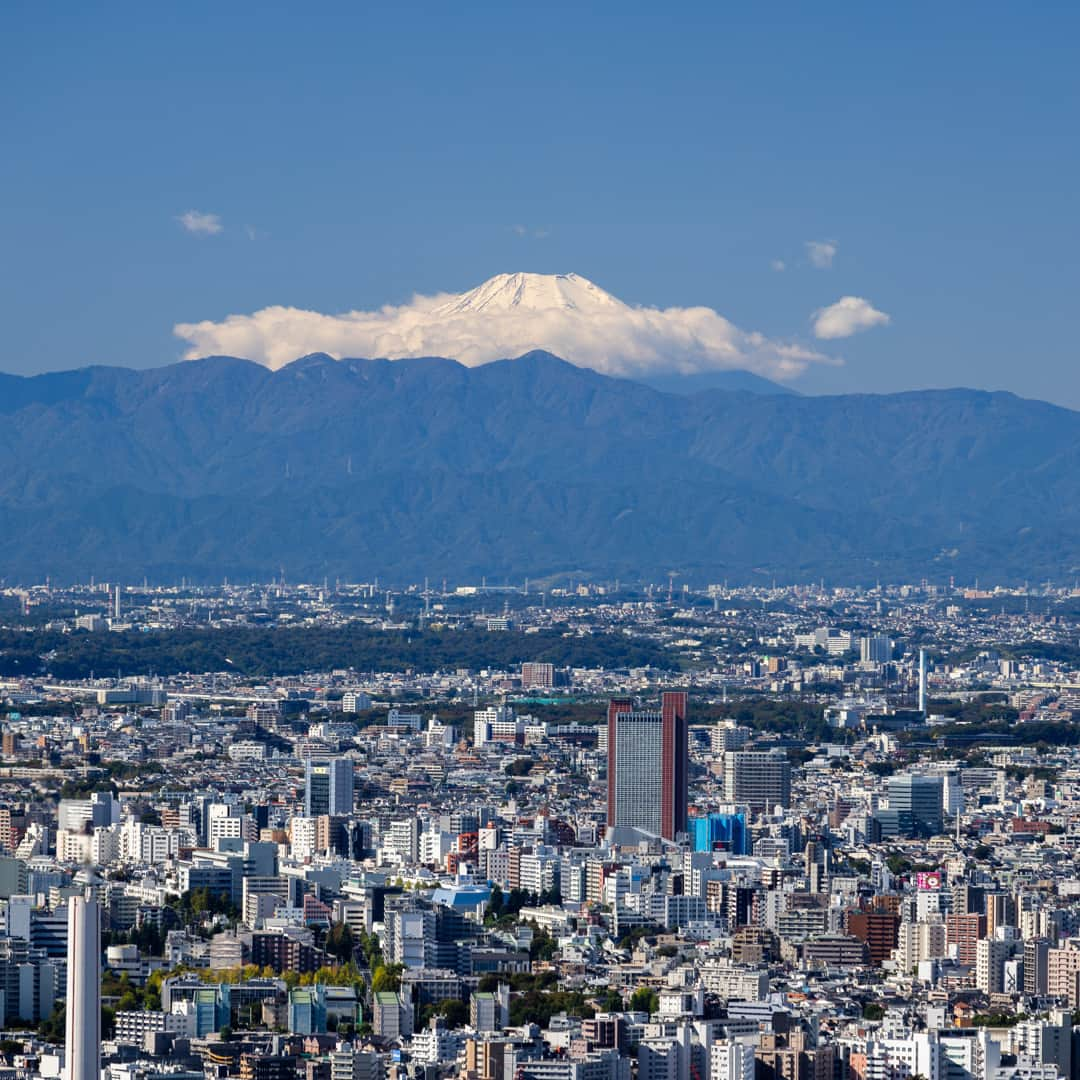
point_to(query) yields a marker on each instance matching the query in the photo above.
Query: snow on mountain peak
(531, 292)
(507, 316)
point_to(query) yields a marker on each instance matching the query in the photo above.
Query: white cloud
(541, 233)
(847, 316)
(195, 221)
(778, 265)
(506, 317)
(821, 253)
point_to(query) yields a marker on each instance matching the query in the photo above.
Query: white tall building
(401, 844)
(354, 701)
(83, 1043)
(990, 957)
(731, 1059)
(303, 834)
(495, 722)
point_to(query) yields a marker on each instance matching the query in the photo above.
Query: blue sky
(356, 155)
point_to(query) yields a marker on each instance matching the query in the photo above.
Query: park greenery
(265, 651)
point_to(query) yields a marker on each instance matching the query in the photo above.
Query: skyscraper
(917, 801)
(328, 787)
(83, 1043)
(875, 649)
(648, 766)
(760, 779)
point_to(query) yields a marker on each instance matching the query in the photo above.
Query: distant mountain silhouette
(521, 467)
(715, 380)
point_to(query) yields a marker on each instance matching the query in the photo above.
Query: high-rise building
(1000, 908)
(328, 787)
(918, 802)
(760, 779)
(879, 930)
(732, 1059)
(721, 832)
(875, 649)
(648, 766)
(1036, 964)
(1063, 974)
(83, 1045)
(537, 674)
(990, 957)
(965, 932)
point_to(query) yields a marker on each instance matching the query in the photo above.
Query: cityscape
(539, 541)
(806, 832)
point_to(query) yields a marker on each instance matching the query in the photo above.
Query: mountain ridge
(531, 465)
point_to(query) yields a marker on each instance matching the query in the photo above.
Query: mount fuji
(515, 314)
(533, 292)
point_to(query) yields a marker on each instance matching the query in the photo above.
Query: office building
(760, 779)
(918, 804)
(875, 649)
(721, 832)
(648, 766)
(328, 787)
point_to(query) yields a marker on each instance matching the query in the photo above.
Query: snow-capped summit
(531, 292)
(507, 316)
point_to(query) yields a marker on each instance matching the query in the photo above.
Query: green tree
(543, 946)
(453, 1012)
(610, 1001)
(339, 941)
(387, 977)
